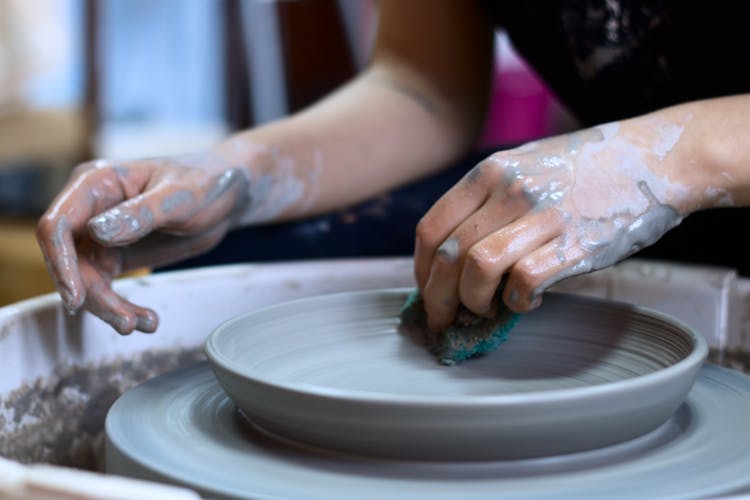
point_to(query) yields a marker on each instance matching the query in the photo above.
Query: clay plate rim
(698, 354)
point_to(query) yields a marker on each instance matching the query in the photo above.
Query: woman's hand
(548, 210)
(115, 216)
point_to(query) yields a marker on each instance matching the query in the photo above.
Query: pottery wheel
(182, 428)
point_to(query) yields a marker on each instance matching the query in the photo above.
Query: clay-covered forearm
(699, 152)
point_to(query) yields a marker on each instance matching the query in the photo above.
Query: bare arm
(417, 106)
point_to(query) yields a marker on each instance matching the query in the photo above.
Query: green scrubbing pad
(468, 336)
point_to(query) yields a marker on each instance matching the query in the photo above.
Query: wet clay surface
(60, 419)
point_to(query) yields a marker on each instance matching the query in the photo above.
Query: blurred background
(82, 79)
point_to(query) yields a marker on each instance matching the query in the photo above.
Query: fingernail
(71, 311)
(66, 296)
(114, 225)
(68, 299)
(106, 225)
(123, 325)
(146, 324)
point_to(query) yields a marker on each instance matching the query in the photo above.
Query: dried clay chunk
(468, 336)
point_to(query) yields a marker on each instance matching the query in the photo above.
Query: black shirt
(613, 59)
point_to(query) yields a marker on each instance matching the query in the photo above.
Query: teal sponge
(468, 336)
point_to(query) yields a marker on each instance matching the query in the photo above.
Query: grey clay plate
(336, 371)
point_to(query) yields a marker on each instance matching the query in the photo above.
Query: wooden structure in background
(316, 51)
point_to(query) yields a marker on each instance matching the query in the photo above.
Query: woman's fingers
(456, 205)
(169, 206)
(534, 273)
(137, 217)
(122, 315)
(99, 265)
(462, 255)
(441, 292)
(219, 199)
(90, 189)
(591, 199)
(488, 260)
(112, 217)
(529, 249)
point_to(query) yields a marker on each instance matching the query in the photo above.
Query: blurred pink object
(520, 103)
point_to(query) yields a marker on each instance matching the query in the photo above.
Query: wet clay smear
(59, 419)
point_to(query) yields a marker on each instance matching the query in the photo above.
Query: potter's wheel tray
(182, 428)
(336, 371)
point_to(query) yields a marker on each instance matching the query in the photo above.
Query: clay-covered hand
(546, 211)
(112, 217)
